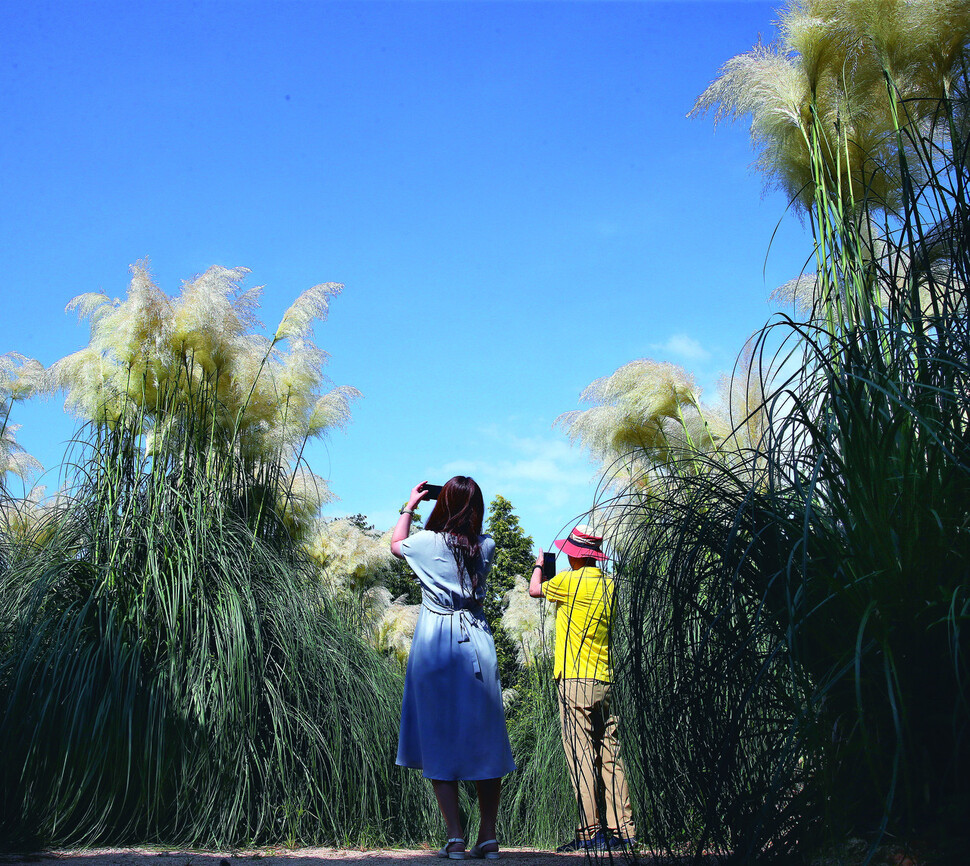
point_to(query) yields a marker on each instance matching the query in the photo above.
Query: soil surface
(891, 855)
(282, 857)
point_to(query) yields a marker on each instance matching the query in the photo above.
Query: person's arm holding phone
(403, 526)
(544, 569)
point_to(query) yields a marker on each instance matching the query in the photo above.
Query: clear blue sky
(510, 192)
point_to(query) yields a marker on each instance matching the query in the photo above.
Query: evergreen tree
(399, 577)
(402, 582)
(361, 521)
(513, 555)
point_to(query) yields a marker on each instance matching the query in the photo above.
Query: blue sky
(510, 191)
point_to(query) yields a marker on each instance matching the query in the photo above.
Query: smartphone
(434, 490)
(548, 565)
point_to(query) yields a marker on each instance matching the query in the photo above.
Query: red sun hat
(582, 542)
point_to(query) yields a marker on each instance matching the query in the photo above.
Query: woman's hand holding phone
(433, 490)
(418, 494)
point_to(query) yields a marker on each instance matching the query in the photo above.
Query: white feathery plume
(208, 318)
(395, 629)
(528, 621)
(21, 464)
(348, 554)
(807, 31)
(376, 601)
(13, 458)
(30, 379)
(301, 501)
(251, 393)
(655, 422)
(87, 377)
(128, 333)
(8, 374)
(310, 306)
(297, 380)
(332, 409)
(91, 306)
(20, 377)
(800, 293)
(636, 405)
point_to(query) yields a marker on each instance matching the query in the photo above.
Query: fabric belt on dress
(465, 619)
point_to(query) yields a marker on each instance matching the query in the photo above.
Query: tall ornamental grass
(171, 672)
(538, 805)
(791, 646)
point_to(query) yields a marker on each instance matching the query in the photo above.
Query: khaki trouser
(593, 753)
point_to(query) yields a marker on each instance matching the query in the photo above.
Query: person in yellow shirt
(583, 596)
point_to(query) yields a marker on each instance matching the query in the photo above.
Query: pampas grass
(790, 644)
(19, 379)
(171, 670)
(350, 558)
(538, 805)
(153, 359)
(529, 622)
(394, 627)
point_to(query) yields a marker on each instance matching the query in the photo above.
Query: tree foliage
(513, 548)
(513, 556)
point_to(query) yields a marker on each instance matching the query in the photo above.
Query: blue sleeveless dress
(452, 719)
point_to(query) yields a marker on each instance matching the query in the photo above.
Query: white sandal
(445, 854)
(480, 854)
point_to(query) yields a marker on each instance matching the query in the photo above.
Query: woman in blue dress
(452, 719)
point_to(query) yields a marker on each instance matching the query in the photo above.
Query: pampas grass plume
(826, 96)
(309, 306)
(395, 630)
(151, 357)
(348, 556)
(634, 407)
(530, 622)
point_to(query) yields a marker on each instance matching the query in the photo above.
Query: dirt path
(272, 857)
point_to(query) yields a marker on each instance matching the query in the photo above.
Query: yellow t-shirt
(584, 605)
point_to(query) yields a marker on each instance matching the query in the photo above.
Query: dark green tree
(399, 577)
(400, 581)
(513, 555)
(361, 521)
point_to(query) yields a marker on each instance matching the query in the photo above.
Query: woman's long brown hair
(458, 513)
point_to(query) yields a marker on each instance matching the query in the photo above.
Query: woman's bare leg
(489, 794)
(447, 794)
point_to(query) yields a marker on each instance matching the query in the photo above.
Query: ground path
(275, 857)
(885, 856)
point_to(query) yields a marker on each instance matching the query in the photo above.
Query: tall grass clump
(173, 672)
(791, 638)
(686, 648)
(538, 805)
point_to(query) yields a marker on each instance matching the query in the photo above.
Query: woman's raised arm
(403, 526)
